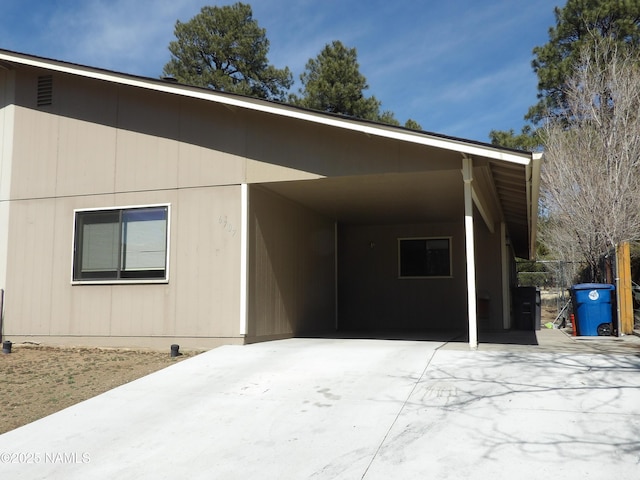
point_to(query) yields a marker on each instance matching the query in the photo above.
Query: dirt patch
(36, 381)
(552, 303)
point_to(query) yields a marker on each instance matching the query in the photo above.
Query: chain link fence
(553, 278)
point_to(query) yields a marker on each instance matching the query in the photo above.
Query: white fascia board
(471, 149)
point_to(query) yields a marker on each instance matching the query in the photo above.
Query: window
(121, 244)
(424, 257)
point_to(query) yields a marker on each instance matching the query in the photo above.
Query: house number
(226, 225)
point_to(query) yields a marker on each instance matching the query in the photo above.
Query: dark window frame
(112, 254)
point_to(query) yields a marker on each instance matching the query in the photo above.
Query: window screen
(120, 244)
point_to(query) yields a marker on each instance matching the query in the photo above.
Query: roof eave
(531, 161)
(368, 128)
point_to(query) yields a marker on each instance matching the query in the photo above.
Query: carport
(281, 221)
(478, 197)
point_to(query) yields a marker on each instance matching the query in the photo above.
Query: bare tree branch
(591, 173)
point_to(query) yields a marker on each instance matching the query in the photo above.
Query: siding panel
(292, 268)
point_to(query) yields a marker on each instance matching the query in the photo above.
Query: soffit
(435, 196)
(511, 188)
(380, 199)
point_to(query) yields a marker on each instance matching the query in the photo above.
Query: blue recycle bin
(592, 307)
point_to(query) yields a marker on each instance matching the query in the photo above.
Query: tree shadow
(542, 407)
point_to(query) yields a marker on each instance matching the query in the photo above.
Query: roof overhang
(518, 192)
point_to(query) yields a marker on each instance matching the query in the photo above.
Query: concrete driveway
(350, 409)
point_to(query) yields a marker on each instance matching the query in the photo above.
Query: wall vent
(45, 90)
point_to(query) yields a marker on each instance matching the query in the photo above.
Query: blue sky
(458, 67)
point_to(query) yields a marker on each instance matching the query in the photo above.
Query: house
(142, 212)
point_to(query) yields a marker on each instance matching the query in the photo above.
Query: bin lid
(593, 286)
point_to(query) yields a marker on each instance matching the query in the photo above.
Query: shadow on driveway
(349, 408)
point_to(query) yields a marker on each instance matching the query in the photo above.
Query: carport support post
(244, 249)
(467, 176)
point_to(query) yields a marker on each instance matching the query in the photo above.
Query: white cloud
(431, 61)
(121, 35)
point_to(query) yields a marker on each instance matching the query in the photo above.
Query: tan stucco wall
(103, 145)
(201, 298)
(99, 138)
(278, 148)
(291, 268)
(7, 109)
(100, 146)
(104, 138)
(488, 275)
(371, 296)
